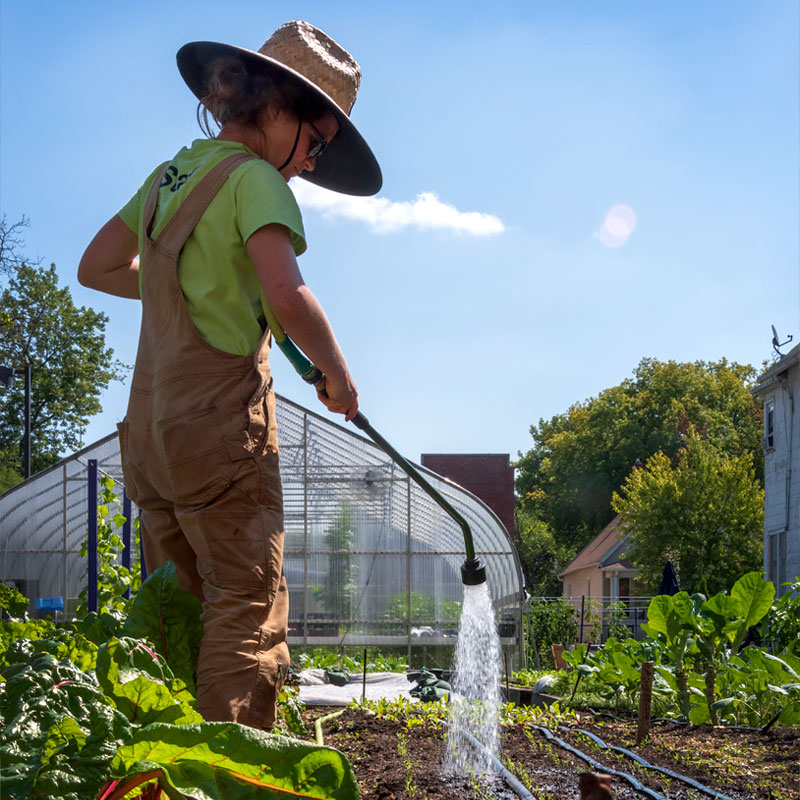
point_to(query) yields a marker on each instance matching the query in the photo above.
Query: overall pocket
(195, 455)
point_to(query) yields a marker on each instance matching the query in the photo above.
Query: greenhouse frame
(370, 559)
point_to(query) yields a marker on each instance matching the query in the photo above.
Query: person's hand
(339, 394)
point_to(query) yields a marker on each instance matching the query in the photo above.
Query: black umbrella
(669, 580)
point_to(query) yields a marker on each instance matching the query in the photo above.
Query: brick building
(488, 476)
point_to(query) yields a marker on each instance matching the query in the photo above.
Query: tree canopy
(580, 458)
(64, 345)
(703, 510)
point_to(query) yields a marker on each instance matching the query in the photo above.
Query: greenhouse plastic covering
(363, 544)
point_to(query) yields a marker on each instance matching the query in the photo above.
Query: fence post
(92, 512)
(126, 535)
(583, 606)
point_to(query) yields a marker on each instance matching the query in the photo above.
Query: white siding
(782, 480)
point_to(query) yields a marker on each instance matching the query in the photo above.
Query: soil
(741, 765)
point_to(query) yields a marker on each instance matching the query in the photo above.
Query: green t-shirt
(222, 290)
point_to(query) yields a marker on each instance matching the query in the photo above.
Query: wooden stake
(645, 702)
(557, 650)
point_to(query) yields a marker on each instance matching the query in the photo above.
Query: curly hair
(236, 94)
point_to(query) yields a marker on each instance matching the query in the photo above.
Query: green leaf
(225, 760)
(699, 713)
(791, 714)
(13, 602)
(60, 732)
(143, 687)
(61, 735)
(755, 596)
(170, 618)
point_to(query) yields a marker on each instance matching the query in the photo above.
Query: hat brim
(349, 165)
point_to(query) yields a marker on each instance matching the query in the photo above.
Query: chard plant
(119, 720)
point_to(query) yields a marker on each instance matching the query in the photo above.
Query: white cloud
(619, 224)
(427, 212)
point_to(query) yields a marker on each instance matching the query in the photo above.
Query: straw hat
(298, 51)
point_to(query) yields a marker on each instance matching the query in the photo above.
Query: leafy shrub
(549, 622)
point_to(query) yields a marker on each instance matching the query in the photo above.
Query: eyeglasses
(316, 147)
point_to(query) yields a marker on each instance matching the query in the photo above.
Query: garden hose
(473, 571)
(318, 725)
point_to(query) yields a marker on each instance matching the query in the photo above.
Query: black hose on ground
(639, 760)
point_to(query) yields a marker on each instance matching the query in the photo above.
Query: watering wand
(473, 571)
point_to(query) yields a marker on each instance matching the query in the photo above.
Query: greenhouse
(370, 559)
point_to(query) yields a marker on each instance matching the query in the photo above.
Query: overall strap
(152, 200)
(183, 222)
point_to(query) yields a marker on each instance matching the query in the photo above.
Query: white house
(779, 386)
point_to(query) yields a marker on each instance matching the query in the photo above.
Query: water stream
(475, 704)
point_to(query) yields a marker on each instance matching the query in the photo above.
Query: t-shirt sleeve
(263, 198)
(131, 212)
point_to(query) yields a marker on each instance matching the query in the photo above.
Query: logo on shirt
(174, 180)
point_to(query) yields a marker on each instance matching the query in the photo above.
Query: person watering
(209, 243)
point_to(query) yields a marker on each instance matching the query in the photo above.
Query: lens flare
(618, 225)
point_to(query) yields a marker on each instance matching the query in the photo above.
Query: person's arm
(110, 263)
(300, 314)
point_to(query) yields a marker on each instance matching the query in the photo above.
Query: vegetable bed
(396, 758)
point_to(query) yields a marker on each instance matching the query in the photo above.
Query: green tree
(581, 457)
(540, 555)
(64, 345)
(703, 509)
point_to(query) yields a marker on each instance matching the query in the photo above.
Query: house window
(769, 425)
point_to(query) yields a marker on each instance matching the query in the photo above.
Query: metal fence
(600, 616)
(370, 559)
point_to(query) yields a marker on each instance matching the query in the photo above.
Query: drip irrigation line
(639, 760)
(508, 776)
(640, 787)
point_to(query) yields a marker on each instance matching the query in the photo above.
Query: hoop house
(370, 559)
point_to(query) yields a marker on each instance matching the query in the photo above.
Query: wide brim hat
(299, 52)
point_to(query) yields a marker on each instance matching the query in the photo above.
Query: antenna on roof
(776, 343)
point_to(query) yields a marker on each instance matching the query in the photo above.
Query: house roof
(768, 378)
(602, 546)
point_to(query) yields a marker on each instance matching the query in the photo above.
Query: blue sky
(568, 188)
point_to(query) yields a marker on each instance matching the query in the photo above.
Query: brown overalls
(200, 459)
